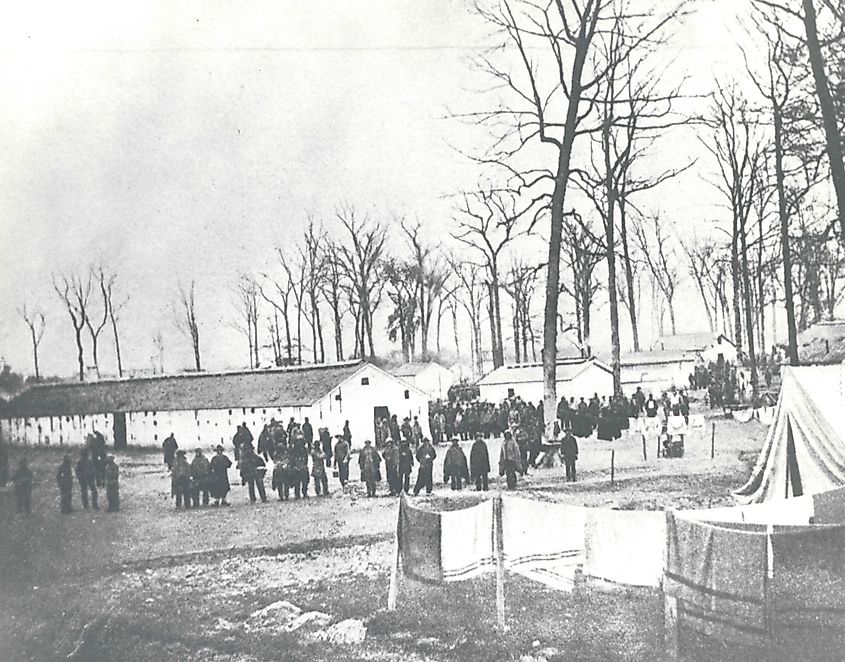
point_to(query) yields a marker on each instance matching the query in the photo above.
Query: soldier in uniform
(479, 463)
(425, 456)
(112, 486)
(200, 470)
(180, 480)
(368, 462)
(569, 450)
(299, 466)
(219, 472)
(170, 447)
(281, 473)
(406, 464)
(391, 466)
(318, 469)
(341, 459)
(252, 473)
(510, 460)
(23, 487)
(64, 479)
(87, 476)
(455, 470)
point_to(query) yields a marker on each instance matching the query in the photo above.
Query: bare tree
(247, 314)
(488, 222)
(521, 285)
(158, 359)
(659, 255)
(702, 258)
(470, 296)
(95, 327)
(402, 291)
(581, 254)
(185, 318)
(75, 293)
(360, 256)
(312, 275)
(114, 302)
(277, 292)
(331, 285)
(36, 322)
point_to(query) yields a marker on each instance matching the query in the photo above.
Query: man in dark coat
(638, 400)
(341, 459)
(326, 445)
(87, 477)
(243, 437)
(406, 465)
(265, 442)
(455, 470)
(307, 433)
(99, 454)
(299, 466)
(281, 480)
(368, 462)
(391, 467)
(252, 473)
(569, 451)
(170, 447)
(510, 460)
(200, 479)
(393, 427)
(64, 479)
(425, 457)
(651, 407)
(23, 487)
(347, 434)
(180, 480)
(219, 473)
(112, 486)
(479, 463)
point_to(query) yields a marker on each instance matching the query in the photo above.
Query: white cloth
(796, 511)
(743, 415)
(766, 415)
(543, 541)
(676, 425)
(625, 546)
(466, 542)
(696, 421)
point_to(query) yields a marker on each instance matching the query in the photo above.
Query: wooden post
(612, 464)
(500, 564)
(671, 642)
(713, 442)
(393, 591)
(645, 453)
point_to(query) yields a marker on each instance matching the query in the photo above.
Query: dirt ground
(154, 583)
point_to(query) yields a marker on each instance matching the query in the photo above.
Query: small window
(365, 381)
(407, 395)
(230, 412)
(198, 422)
(511, 393)
(155, 437)
(155, 423)
(252, 410)
(67, 418)
(263, 411)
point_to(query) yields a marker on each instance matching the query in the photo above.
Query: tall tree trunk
(735, 274)
(516, 335)
(287, 337)
(629, 275)
(587, 321)
(116, 350)
(491, 313)
(455, 331)
(828, 111)
(498, 351)
(670, 304)
(35, 352)
(786, 253)
(80, 359)
(746, 280)
(196, 339)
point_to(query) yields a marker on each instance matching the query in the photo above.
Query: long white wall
(593, 380)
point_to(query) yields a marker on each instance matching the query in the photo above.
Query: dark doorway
(119, 431)
(793, 474)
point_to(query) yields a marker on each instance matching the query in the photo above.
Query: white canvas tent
(804, 452)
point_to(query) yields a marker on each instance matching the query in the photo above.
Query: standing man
(299, 466)
(569, 450)
(252, 473)
(219, 474)
(265, 442)
(180, 480)
(455, 468)
(425, 456)
(23, 487)
(308, 433)
(416, 432)
(341, 459)
(98, 457)
(639, 401)
(87, 477)
(243, 437)
(391, 467)
(318, 469)
(406, 464)
(64, 479)
(393, 426)
(368, 462)
(170, 447)
(510, 460)
(347, 435)
(281, 473)
(112, 487)
(326, 445)
(200, 470)
(479, 463)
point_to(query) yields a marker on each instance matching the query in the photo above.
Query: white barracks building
(205, 408)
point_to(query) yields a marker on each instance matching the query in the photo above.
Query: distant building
(656, 371)
(707, 345)
(575, 378)
(822, 343)
(430, 377)
(203, 409)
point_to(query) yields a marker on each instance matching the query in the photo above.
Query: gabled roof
(299, 386)
(413, 369)
(688, 342)
(567, 370)
(659, 357)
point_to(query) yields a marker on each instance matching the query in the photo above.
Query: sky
(178, 141)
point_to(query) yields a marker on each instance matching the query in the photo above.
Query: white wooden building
(430, 377)
(205, 408)
(656, 371)
(709, 346)
(575, 378)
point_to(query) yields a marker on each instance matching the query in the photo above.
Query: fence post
(670, 627)
(393, 591)
(713, 442)
(612, 465)
(645, 453)
(500, 564)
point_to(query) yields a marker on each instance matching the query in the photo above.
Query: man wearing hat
(86, 475)
(425, 456)
(64, 479)
(253, 468)
(219, 476)
(180, 480)
(341, 459)
(199, 478)
(479, 462)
